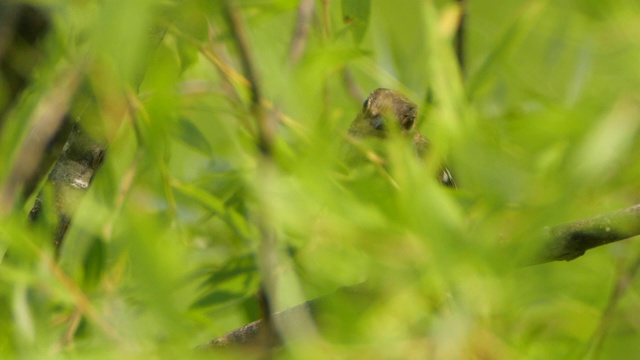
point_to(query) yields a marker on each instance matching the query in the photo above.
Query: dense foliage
(187, 214)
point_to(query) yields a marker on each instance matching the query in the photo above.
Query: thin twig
(625, 280)
(134, 108)
(269, 335)
(80, 299)
(266, 131)
(460, 36)
(301, 32)
(233, 77)
(353, 89)
(72, 327)
(326, 30)
(217, 54)
(272, 332)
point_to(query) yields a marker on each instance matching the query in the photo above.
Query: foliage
(163, 253)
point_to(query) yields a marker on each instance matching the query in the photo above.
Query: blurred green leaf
(230, 216)
(216, 298)
(191, 136)
(501, 49)
(162, 254)
(238, 277)
(242, 266)
(94, 264)
(355, 14)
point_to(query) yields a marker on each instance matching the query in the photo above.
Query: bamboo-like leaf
(230, 216)
(355, 13)
(190, 135)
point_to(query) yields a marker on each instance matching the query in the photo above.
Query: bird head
(384, 105)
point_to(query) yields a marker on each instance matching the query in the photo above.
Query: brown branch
(267, 335)
(326, 30)
(249, 336)
(350, 83)
(301, 32)
(460, 36)
(272, 330)
(266, 131)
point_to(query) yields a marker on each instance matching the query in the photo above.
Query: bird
(384, 107)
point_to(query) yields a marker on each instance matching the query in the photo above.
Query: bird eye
(407, 122)
(378, 122)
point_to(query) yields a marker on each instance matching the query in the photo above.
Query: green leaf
(191, 136)
(504, 46)
(94, 263)
(355, 13)
(237, 267)
(217, 298)
(235, 280)
(188, 55)
(230, 216)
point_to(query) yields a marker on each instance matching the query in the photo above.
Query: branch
(272, 329)
(623, 284)
(351, 85)
(266, 131)
(570, 241)
(301, 32)
(253, 336)
(250, 336)
(460, 36)
(265, 336)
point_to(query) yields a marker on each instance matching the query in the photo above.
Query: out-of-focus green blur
(163, 254)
